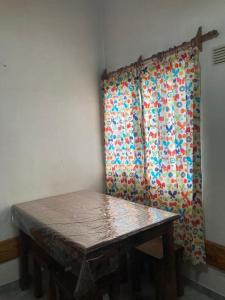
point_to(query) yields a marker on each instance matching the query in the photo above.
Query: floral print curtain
(152, 142)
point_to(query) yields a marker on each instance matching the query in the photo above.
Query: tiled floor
(11, 292)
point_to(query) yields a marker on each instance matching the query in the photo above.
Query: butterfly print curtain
(123, 136)
(152, 142)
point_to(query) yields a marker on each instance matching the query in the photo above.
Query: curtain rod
(196, 41)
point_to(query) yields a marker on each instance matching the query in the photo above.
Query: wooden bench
(61, 283)
(65, 282)
(152, 251)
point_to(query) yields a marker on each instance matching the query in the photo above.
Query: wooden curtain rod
(196, 41)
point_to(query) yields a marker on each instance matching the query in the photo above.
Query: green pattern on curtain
(158, 160)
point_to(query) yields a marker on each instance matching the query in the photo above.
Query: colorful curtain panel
(152, 142)
(124, 145)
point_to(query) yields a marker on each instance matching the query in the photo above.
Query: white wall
(50, 131)
(144, 27)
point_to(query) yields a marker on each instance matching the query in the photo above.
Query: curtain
(123, 136)
(171, 101)
(152, 142)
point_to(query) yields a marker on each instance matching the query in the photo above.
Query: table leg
(24, 262)
(160, 279)
(37, 279)
(114, 292)
(98, 297)
(135, 272)
(123, 268)
(93, 295)
(51, 293)
(170, 288)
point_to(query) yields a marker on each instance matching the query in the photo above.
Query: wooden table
(79, 228)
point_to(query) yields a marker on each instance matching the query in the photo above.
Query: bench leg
(24, 275)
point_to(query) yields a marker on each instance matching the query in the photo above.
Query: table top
(88, 219)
